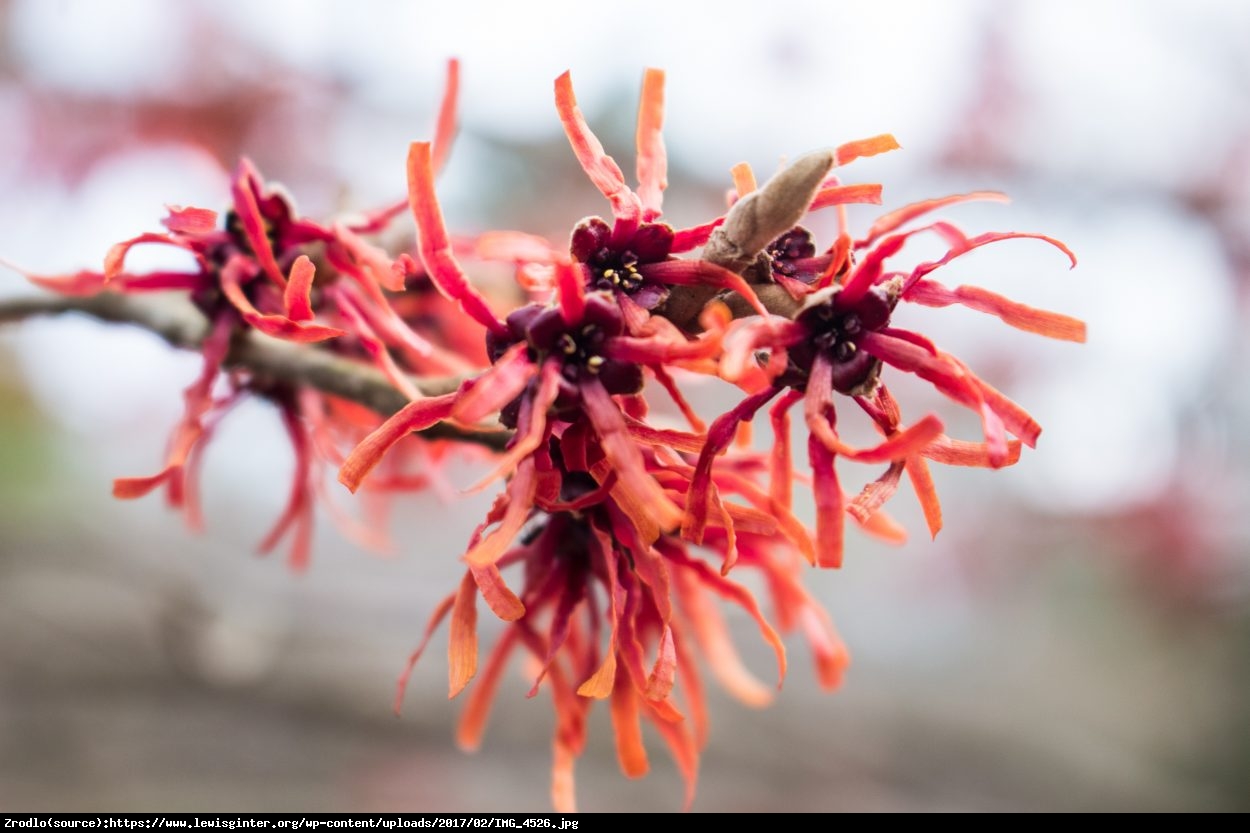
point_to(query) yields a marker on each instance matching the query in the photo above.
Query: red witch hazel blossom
(619, 534)
(256, 271)
(601, 507)
(838, 343)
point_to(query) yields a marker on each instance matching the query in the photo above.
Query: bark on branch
(181, 325)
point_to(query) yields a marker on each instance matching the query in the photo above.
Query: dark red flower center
(579, 347)
(790, 248)
(615, 266)
(834, 330)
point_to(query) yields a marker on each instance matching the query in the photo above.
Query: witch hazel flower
(591, 510)
(839, 342)
(589, 574)
(634, 256)
(550, 365)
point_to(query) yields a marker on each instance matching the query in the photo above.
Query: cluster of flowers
(623, 533)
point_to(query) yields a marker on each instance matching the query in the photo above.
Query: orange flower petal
(190, 220)
(829, 504)
(445, 129)
(744, 178)
(496, 387)
(436, 618)
(860, 148)
(462, 643)
(296, 297)
(627, 728)
(520, 493)
(894, 220)
(601, 168)
(415, 416)
(652, 162)
(243, 189)
(434, 245)
(868, 194)
(930, 293)
(922, 482)
(501, 600)
(477, 707)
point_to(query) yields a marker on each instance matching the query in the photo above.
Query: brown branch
(181, 325)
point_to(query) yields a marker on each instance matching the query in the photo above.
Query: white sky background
(1124, 103)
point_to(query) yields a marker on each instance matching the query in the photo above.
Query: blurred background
(1077, 638)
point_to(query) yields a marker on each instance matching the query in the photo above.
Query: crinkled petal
(434, 245)
(496, 387)
(849, 152)
(930, 293)
(624, 455)
(415, 416)
(744, 179)
(896, 219)
(462, 643)
(445, 128)
(865, 194)
(190, 220)
(297, 296)
(601, 168)
(243, 188)
(436, 618)
(652, 161)
(278, 326)
(630, 751)
(115, 259)
(830, 523)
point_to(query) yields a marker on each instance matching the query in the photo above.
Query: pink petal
(496, 387)
(744, 179)
(702, 273)
(530, 435)
(477, 708)
(740, 596)
(966, 245)
(190, 220)
(951, 452)
(930, 293)
(243, 188)
(843, 194)
(116, 256)
(374, 261)
(435, 246)
(462, 643)
(849, 152)
(296, 298)
(894, 220)
(278, 326)
(720, 435)
(624, 455)
(926, 493)
(830, 522)
(521, 492)
(631, 754)
(601, 168)
(685, 240)
(415, 416)
(571, 292)
(445, 129)
(436, 618)
(652, 162)
(875, 494)
(501, 600)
